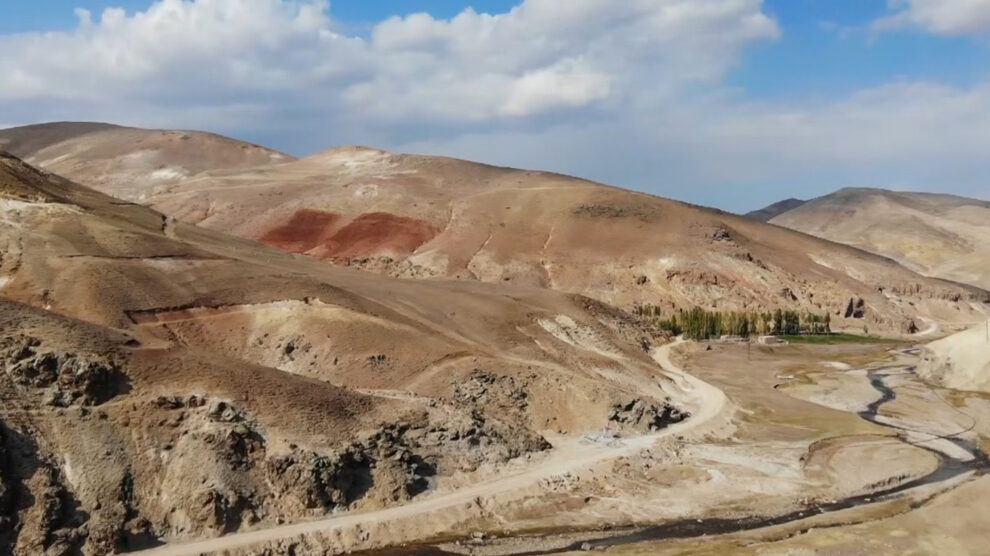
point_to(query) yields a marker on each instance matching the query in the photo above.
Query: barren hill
(167, 383)
(161, 381)
(433, 217)
(129, 163)
(937, 235)
(770, 212)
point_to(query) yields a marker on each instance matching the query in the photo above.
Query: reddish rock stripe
(319, 233)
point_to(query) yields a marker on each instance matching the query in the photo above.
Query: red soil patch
(378, 233)
(305, 230)
(322, 234)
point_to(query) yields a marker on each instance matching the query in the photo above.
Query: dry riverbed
(789, 450)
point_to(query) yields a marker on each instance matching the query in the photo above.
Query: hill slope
(937, 235)
(125, 162)
(770, 212)
(162, 381)
(960, 361)
(421, 216)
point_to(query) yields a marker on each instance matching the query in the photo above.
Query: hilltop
(126, 162)
(945, 236)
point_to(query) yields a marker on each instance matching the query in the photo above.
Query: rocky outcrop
(70, 378)
(595, 210)
(38, 513)
(643, 415)
(856, 309)
(7, 508)
(308, 480)
(721, 234)
(485, 389)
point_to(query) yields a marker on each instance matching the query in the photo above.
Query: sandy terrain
(571, 455)
(218, 384)
(790, 466)
(786, 465)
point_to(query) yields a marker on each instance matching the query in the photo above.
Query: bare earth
(397, 354)
(783, 457)
(938, 235)
(414, 216)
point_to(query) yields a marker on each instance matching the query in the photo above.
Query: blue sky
(809, 59)
(732, 106)
(813, 58)
(27, 15)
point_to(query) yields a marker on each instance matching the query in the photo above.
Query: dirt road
(705, 403)
(930, 330)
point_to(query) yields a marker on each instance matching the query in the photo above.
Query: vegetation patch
(699, 324)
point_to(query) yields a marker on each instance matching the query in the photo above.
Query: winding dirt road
(704, 401)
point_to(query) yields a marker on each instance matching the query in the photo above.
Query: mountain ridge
(440, 218)
(936, 234)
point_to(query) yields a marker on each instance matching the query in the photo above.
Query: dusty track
(706, 402)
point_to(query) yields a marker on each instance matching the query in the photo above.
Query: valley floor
(788, 449)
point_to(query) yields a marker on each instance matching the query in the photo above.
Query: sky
(727, 103)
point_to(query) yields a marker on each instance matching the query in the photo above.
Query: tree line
(699, 324)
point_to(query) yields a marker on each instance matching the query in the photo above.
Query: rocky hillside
(160, 381)
(432, 217)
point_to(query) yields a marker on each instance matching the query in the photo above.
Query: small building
(771, 340)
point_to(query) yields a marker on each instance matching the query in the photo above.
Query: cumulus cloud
(629, 92)
(567, 83)
(542, 56)
(947, 17)
(737, 153)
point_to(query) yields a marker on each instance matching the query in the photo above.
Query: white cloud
(567, 83)
(628, 92)
(713, 149)
(540, 57)
(947, 17)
